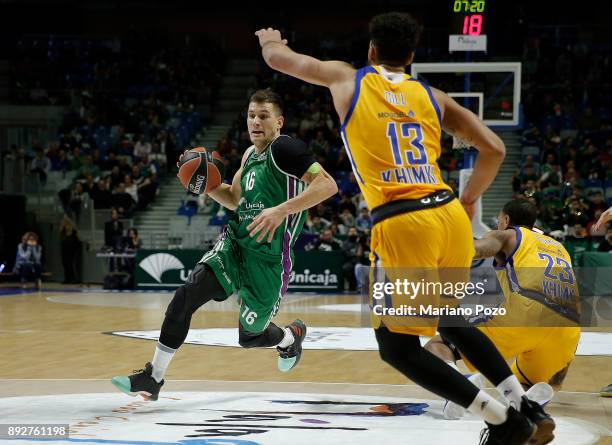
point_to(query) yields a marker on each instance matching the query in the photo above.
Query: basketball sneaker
(289, 357)
(606, 392)
(451, 410)
(140, 382)
(516, 430)
(546, 425)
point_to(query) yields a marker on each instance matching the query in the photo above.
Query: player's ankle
(288, 339)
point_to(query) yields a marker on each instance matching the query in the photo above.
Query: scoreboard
(468, 31)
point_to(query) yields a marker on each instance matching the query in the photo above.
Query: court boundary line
(267, 381)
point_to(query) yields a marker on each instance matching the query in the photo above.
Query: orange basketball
(200, 171)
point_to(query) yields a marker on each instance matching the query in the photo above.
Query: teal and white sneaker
(289, 357)
(451, 410)
(140, 382)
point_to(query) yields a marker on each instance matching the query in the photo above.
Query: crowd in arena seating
(130, 110)
(566, 158)
(129, 116)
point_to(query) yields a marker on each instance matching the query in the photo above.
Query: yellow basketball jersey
(392, 137)
(538, 282)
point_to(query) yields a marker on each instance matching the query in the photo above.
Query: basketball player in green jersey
(277, 182)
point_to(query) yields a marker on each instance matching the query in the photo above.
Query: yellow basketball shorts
(538, 353)
(427, 246)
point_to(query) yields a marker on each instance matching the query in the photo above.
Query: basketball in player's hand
(200, 170)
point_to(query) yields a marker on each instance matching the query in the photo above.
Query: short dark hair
(395, 36)
(268, 96)
(521, 212)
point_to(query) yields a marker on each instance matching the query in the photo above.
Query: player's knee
(177, 309)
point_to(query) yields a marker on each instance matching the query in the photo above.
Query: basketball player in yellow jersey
(540, 329)
(391, 126)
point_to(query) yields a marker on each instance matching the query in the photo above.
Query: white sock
(488, 408)
(161, 360)
(287, 340)
(512, 390)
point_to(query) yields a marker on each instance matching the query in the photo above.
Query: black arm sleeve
(292, 156)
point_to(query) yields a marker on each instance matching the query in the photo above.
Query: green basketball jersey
(265, 185)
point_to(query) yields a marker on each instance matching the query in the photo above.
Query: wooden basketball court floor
(55, 344)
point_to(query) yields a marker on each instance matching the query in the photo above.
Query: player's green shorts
(259, 280)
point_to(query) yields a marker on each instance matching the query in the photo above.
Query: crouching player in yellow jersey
(391, 127)
(539, 330)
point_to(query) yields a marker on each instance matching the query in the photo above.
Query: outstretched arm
(464, 124)
(338, 76)
(495, 242)
(604, 218)
(280, 57)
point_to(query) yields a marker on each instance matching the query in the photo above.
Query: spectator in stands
(89, 184)
(528, 173)
(225, 145)
(158, 157)
(71, 250)
(350, 248)
(147, 187)
(578, 231)
(113, 232)
(133, 241)
(319, 145)
(317, 224)
(551, 176)
(72, 199)
(116, 177)
(76, 160)
(347, 203)
(347, 217)
(532, 164)
(88, 168)
(597, 204)
(338, 227)
(137, 176)
(142, 147)
(131, 188)
(96, 158)
(606, 244)
(41, 165)
(28, 263)
(167, 147)
(60, 162)
(364, 220)
(101, 195)
(124, 167)
(111, 161)
(147, 166)
(326, 242)
(122, 201)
